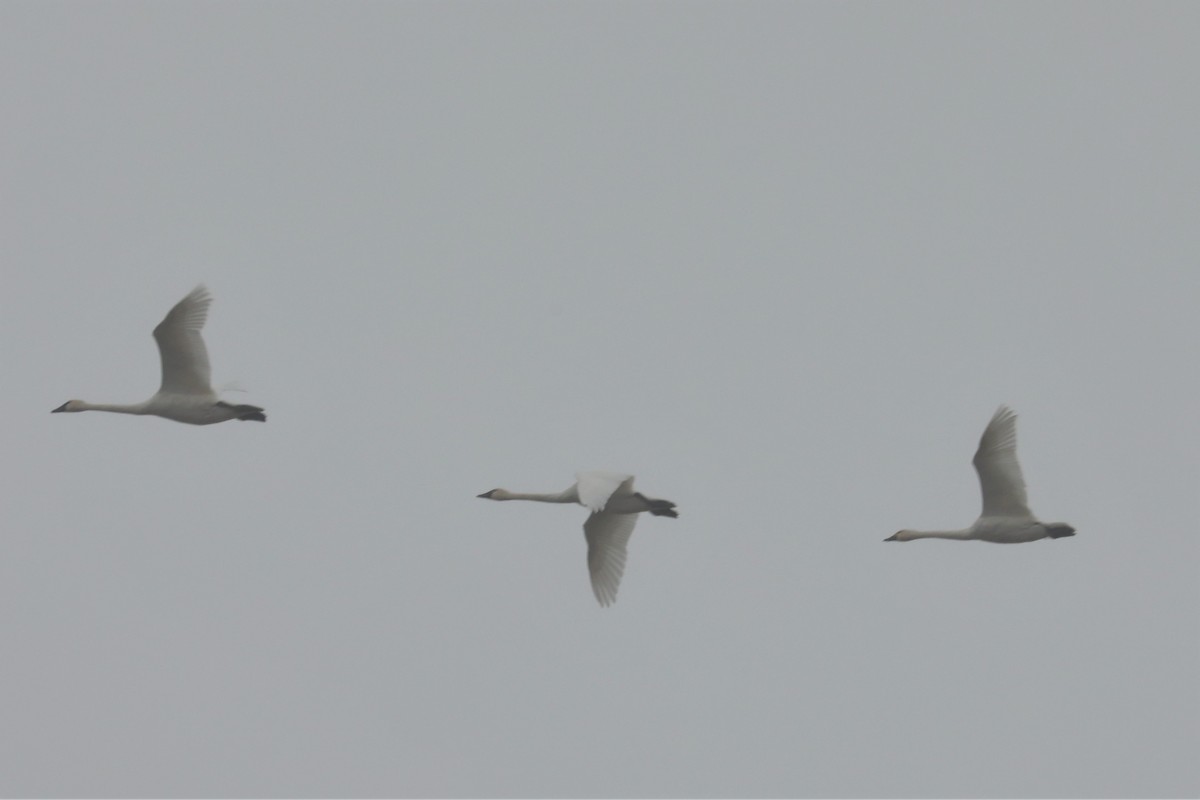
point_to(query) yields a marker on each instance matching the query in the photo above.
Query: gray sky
(780, 261)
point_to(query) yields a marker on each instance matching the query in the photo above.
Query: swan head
(901, 536)
(494, 494)
(71, 405)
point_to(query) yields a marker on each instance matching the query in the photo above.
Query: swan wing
(1000, 476)
(185, 368)
(607, 538)
(596, 487)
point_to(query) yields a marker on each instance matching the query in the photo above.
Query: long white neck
(962, 533)
(116, 408)
(567, 496)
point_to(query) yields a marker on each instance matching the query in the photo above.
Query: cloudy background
(780, 261)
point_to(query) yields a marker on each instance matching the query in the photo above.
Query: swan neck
(552, 497)
(116, 408)
(962, 533)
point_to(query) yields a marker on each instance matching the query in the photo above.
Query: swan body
(1006, 518)
(614, 506)
(186, 393)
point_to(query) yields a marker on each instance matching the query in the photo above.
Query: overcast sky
(781, 261)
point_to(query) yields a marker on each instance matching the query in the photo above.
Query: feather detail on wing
(1000, 478)
(607, 539)
(596, 487)
(185, 368)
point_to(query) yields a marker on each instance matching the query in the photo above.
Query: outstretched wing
(596, 487)
(185, 367)
(607, 538)
(1000, 476)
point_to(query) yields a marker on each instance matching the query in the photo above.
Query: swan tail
(246, 412)
(1057, 530)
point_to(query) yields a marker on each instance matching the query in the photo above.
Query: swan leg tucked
(660, 508)
(1057, 530)
(245, 412)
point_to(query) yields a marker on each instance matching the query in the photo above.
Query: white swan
(186, 394)
(1006, 518)
(614, 506)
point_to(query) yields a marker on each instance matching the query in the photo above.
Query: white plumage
(186, 393)
(614, 506)
(1006, 518)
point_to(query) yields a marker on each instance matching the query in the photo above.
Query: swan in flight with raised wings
(614, 506)
(186, 394)
(1006, 518)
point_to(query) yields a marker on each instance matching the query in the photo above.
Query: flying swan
(1006, 518)
(186, 394)
(614, 506)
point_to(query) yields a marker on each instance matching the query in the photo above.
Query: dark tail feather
(245, 412)
(1058, 530)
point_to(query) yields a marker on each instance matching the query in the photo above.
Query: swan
(1006, 518)
(614, 506)
(186, 394)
